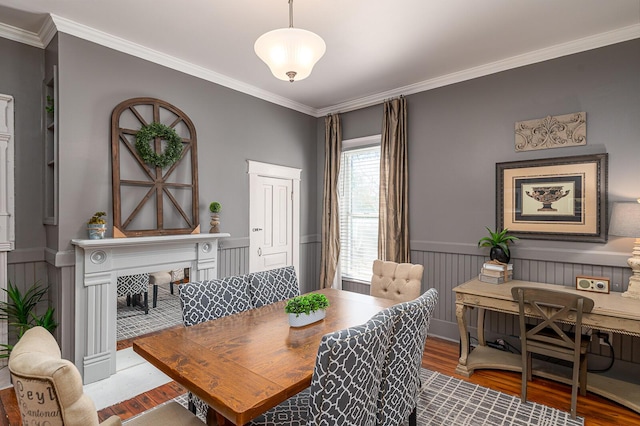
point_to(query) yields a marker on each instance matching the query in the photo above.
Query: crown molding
(116, 43)
(20, 35)
(47, 31)
(576, 46)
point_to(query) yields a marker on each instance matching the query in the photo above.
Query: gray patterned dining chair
(208, 300)
(346, 379)
(400, 387)
(267, 287)
(134, 287)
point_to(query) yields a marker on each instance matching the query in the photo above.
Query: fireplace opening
(139, 313)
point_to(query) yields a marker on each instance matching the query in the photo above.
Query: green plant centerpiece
(306, 309)
(215, 208)
(97, 226)
(20, 313)
(499, 243)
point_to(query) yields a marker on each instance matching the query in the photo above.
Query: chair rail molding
(7, 201)
(98, 265)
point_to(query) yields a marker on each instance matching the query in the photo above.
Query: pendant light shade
(290, 52)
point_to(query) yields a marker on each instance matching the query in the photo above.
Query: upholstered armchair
(49, 389)
(401, 282)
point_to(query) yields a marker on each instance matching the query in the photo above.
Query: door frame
(257, 169)
(7, 203)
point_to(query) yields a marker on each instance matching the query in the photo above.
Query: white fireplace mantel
(98, 265)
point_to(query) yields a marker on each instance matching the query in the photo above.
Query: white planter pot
(305, 319)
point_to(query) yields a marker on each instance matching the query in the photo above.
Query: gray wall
(21, 76)
(231, 128)
(456, 135)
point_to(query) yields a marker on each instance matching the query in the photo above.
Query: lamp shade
(625, 219)
(290, 53)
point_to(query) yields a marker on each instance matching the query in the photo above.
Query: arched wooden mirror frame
(157, 182)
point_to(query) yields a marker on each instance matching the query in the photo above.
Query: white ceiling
(376, 49)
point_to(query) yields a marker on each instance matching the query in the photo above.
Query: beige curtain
(330, 215)
(393, 226)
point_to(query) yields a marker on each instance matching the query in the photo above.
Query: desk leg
(461, 311)
(481, 340)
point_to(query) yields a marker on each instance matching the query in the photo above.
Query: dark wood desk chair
(547, 338)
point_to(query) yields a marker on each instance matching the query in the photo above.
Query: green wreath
(172, 152)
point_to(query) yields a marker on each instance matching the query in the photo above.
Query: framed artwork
(554, 199)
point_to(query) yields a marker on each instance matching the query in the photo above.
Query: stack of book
(496, 273)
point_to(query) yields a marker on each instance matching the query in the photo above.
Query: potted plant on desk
(499, 243)
(306, 309)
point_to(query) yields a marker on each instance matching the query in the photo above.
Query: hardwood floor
(440, 355)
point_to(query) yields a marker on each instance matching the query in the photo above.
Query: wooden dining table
(244, 364)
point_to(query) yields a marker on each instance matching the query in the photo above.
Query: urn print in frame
(558, 198)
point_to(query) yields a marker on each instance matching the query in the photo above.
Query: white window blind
(359, 184)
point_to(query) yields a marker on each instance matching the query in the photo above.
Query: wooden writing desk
(242, 365)
(611, 312)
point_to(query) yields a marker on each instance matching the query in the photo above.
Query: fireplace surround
(98, 264)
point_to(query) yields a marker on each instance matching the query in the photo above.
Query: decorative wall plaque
(552, 132)
(159, 198)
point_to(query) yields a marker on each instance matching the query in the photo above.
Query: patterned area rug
(133, 322)
(447, 401)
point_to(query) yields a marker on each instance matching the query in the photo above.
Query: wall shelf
(50, 193)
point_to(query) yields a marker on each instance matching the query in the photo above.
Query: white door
(273, 222)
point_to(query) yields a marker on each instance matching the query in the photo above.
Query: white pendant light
(290, 52)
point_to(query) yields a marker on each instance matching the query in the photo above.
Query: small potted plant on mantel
(215, 208)
(306, 309)
(97, 226)
(499, 243)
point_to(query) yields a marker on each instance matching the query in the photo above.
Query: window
(359, 187)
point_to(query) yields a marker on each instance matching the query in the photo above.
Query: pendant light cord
(290, 13)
